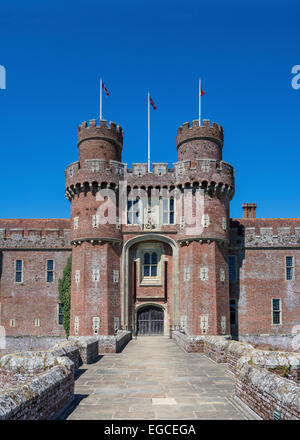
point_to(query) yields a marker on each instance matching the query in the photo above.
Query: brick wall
(36, 385)
(265, 392)
(261, 246)
(259, 380)
(34, 242)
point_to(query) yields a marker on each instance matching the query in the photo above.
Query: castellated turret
(200, 142)
(92, 185)
(99, 142)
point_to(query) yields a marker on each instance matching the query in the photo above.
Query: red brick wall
(261, 275)
(34, 241)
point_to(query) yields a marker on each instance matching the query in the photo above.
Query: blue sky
(55, 52)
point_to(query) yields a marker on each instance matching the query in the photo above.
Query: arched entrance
(126, 295)
(150, 321)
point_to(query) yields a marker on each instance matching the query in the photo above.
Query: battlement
(34, 233)
(90, 130)
(212, 132)
(264, 232)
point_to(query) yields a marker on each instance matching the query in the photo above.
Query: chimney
(249, 210)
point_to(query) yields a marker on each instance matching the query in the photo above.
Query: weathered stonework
(36, 385)
(266, 381)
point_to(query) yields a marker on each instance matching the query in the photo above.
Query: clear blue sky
(54, 53)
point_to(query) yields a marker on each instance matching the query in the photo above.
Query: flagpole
(200, 102)
(100, 99)
(148, 132)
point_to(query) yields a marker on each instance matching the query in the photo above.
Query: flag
(201, 92)
(152, 103)
(105, 89)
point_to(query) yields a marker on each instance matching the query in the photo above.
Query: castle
(145, 268)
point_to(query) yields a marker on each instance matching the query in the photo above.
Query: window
(232, 268)
(12, 322)
(50, 271)
(205, 220)
(133, 211)
(168, 211)
(60, 314)
(150, 264)
(233, 312)
(224, 223)
(289, 268)
(37, 322)
(204, 273)
(95, 221)
(76, 222)
(276, 311)
(19, 271)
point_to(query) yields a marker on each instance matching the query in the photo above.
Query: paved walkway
(154, 379)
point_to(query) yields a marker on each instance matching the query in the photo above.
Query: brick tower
(204, 297)
(95, 293)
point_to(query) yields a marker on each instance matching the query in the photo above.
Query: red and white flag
(105, 89)
(201, 93)
(152, 103)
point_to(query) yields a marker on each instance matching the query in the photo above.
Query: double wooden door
(150, 321)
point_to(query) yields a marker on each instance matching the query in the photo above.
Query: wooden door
(150, 321)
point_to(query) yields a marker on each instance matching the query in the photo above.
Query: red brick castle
(138, 262)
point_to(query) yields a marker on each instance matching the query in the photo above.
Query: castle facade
(153, 250)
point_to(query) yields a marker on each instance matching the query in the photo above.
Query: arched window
(150, 264)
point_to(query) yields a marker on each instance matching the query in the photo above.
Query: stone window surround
(143, 248)
(95, 275)
(293, 267)
(204, 273)
(22, 271)
(59, 314)
(280, 312)
(96, 324)
(53, 270)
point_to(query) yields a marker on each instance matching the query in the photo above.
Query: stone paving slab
(121, 386)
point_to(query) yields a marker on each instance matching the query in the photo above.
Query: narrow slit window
(60, 314)
(50, 271)
(289, 268)
(19, 271)
(276, 311)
